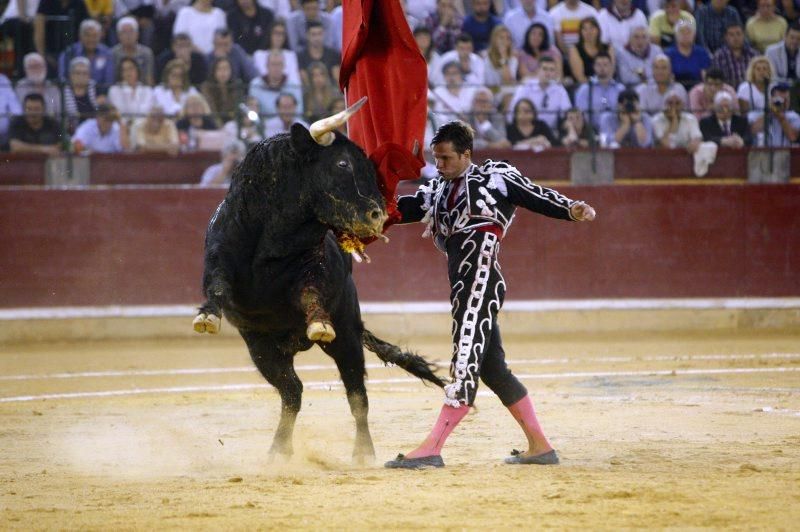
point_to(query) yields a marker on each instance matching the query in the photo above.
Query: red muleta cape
(381, 60)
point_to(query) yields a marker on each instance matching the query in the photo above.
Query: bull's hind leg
(348, 353)
(277, 366)
(319, 325)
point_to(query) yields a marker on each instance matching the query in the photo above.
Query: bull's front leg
(318, 321)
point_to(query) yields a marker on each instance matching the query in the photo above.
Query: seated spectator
(651, 95)
(445, 25)
(712, 20)
(583, 55)
(195, 116)
(174, 89)
(425, 43)
(199, 21)
(288, 112)
(688, 59)
(663, 21)
(101, 134)
(723, 127)
(101, 64)
(733, 57)
(51, 35)
(146, 12)
(128, 34)
(535, 47)
(518, 19)
(267, 88)
(222, 92)
(598, 95)
(232, 153)
(766, 27)
(617, 21)
(248, 127)
(181, 48)
(9, 106)
(80, 97)
(319, 94)
(131, 98)
(488, 125)
(241, 65)
(673, 128)
(501, 66)
(526, 131)
(547, 94)
(35, 80)
(628, 126)
(154, 133)
(783, 128)
(480, 23)
(316, 52)
(297, 22)
(784, 56)
(567, 16)
(249, 23)
(452, 100)
(635, 60)
(575, 131)
(752, 92)
(701, 97)
(472, 65)
(34, 132)
(279, 45)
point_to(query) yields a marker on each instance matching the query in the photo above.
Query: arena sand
(712, 441)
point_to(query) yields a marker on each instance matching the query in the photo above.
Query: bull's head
(339, 181)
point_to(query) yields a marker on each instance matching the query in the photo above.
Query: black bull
(274, 268)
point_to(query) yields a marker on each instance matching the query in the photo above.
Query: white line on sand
(327, 367)
(337, 384)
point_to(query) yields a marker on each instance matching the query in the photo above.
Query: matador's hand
(582, 212)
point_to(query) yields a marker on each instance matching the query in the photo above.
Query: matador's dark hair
(457, 132)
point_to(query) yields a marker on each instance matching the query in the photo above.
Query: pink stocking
(523, 412)
(448, 419)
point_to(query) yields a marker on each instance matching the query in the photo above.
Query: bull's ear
(302, 141)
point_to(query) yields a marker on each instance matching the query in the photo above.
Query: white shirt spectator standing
(617, 21)
(635, 60)
(518, 21)
(547, 94)
(199, 21)
(567, 16)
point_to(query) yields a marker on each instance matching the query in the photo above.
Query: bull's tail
(391, 354)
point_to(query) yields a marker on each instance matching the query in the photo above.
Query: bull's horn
(322, 130)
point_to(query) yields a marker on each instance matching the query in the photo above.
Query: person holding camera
(781, 126)
(629, 126)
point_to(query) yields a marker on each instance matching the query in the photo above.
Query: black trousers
(477, 291)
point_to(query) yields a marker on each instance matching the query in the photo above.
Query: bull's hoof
(320, 331)
(209, 323)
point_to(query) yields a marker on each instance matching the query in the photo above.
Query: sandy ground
(655, 431)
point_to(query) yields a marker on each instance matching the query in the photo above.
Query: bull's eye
(343, 164)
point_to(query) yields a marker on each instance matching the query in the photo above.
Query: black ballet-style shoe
(401, 462)
(548, 458)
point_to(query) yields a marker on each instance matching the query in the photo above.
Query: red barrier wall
(144, 246)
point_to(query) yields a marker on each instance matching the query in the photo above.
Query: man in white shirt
(617, 21)
(101, 134)
(519, 20)
(286, 105)
(547, 94)
(472, 65)
(567, 16)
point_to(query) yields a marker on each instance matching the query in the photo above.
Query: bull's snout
(376, 218)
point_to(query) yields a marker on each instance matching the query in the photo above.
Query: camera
(778, 102)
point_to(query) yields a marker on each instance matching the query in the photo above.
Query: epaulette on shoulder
(491, 167)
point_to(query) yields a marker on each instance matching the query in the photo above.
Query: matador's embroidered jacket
(492, 191)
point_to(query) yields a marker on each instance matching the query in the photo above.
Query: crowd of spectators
(181, 75)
